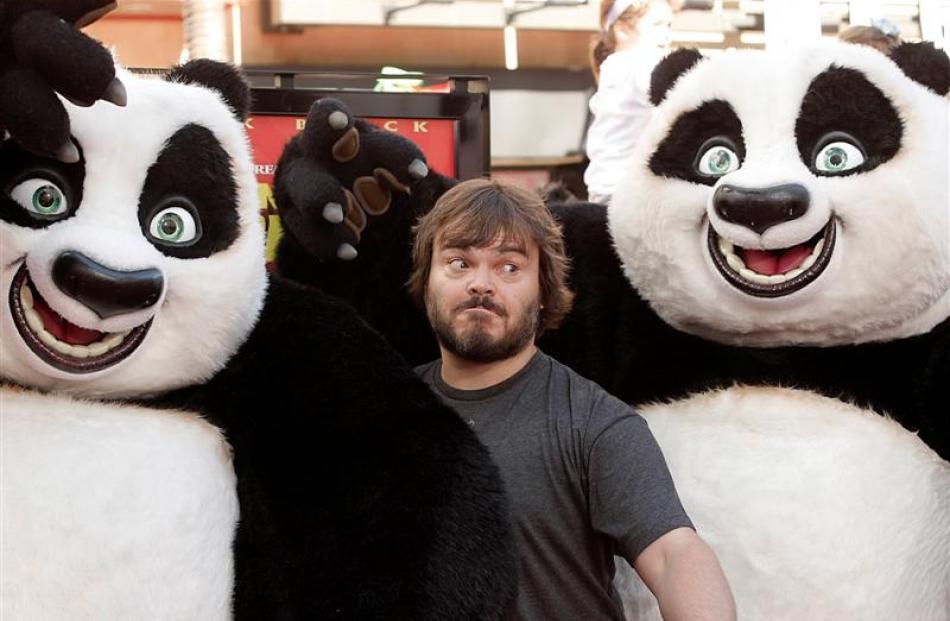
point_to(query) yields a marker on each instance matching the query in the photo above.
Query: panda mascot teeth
(185, 438)
(770, 286)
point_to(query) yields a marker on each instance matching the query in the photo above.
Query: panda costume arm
(348, 194)
(389, 503)
(362, 496)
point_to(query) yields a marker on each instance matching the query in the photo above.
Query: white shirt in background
(621, 108)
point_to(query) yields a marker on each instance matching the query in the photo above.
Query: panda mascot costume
(770, 287)
(182, 437)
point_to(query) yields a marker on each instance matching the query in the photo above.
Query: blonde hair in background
(871, 36)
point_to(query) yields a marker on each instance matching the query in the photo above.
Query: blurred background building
(535, 52)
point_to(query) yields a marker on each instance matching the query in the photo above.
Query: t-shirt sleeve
(632, 497)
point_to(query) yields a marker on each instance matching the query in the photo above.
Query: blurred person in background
(635, 35)
(882, 35)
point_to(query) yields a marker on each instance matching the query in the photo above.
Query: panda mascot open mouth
(61, 343)
(772, 273)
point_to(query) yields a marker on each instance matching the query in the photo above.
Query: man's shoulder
(566, 374)
(590, 410)
(585, 392)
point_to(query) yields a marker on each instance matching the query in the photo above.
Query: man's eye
(509, 268)
(457, 264)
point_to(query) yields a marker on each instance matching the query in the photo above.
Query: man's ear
(671, 69)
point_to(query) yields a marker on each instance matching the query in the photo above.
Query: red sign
(269, 134)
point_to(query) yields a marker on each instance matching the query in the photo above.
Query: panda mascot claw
(185, 438)
(770, 286)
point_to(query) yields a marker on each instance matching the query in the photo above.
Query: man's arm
(684, 575)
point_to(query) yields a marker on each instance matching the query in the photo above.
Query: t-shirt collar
(481, 393)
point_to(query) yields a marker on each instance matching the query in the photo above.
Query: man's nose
(481, 282)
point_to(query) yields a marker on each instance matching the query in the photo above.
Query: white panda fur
(131, 519)
(830, 504)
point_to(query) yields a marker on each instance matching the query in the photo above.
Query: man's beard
(474, 343)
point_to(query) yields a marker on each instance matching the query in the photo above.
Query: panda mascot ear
(226, 79)
(924, 63)
(669, 70)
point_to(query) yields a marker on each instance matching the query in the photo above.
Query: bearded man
(584, 474)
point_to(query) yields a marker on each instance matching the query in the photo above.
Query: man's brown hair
(477, 212)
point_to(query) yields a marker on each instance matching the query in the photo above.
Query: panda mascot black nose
(761, 208)
(106, 291)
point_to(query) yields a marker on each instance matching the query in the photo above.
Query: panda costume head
(140, 268)
(793, 199)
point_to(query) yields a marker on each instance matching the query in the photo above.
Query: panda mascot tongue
(184, 437)
(770, 286)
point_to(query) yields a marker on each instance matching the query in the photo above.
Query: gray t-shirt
(586, 481)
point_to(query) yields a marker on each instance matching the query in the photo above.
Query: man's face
(483, 303)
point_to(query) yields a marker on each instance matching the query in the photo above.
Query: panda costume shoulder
(185, 438)
(772, 277)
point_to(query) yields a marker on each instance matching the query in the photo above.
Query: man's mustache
(481, 301)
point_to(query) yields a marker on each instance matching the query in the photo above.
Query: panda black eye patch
(192, 170)
(677, 154)
(844, 102)
(55, 187)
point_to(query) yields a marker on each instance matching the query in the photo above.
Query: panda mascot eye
(717, 157)
(42, 198)
(835, 156)
(175, 226)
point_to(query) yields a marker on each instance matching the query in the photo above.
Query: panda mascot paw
(186, 438)
(33, 71)
(347, 194)
(337, 175)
